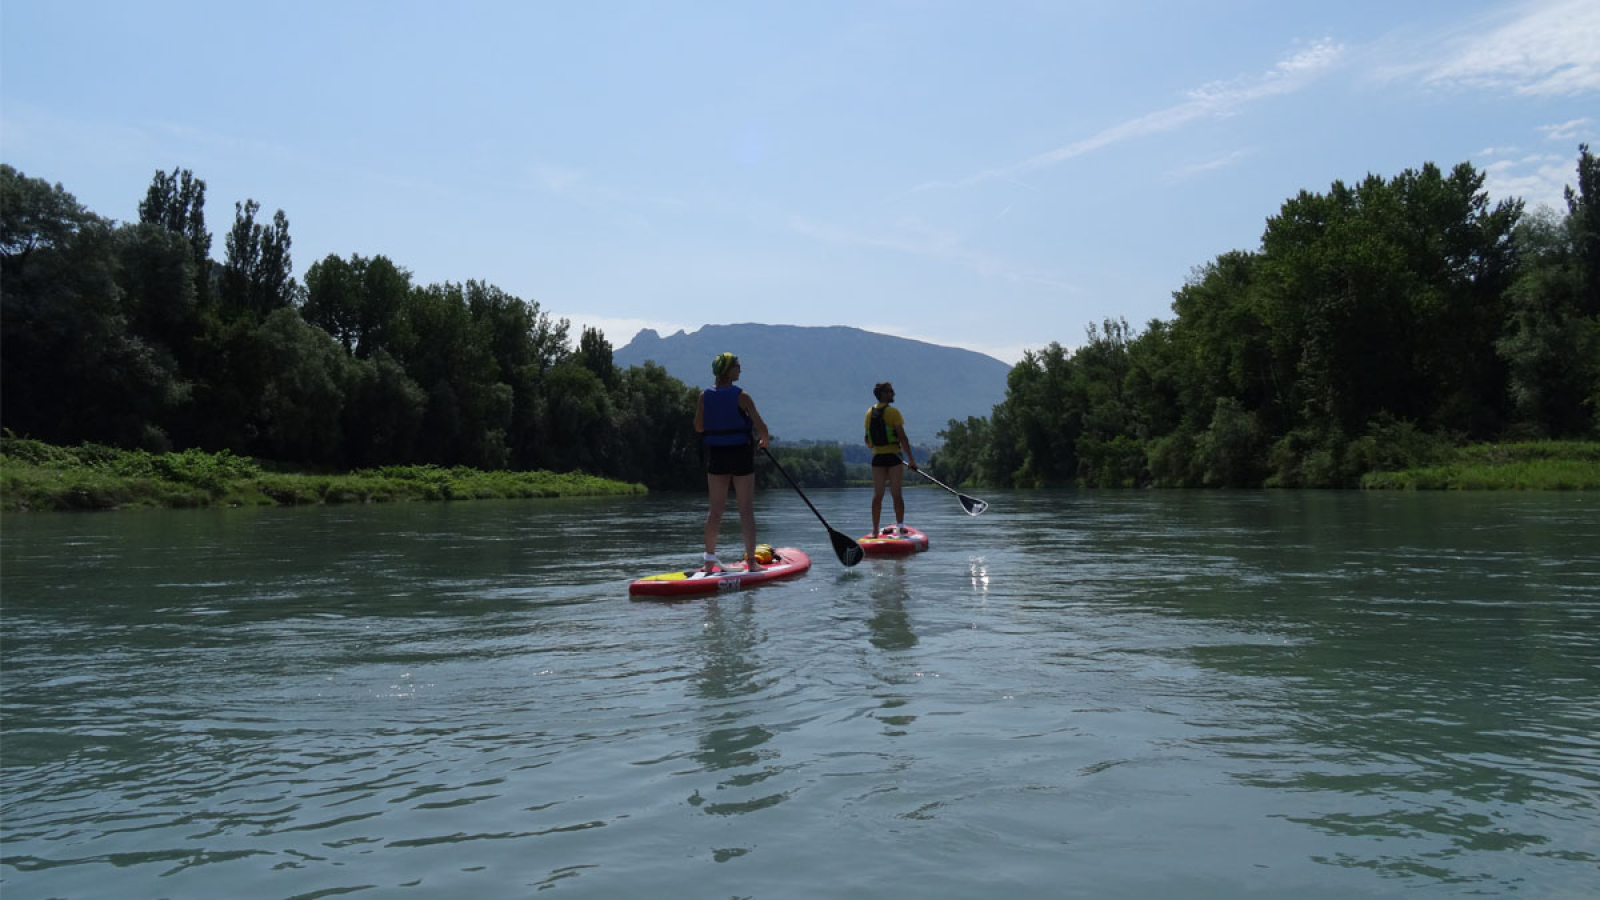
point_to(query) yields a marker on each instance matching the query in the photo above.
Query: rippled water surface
(1167, 694)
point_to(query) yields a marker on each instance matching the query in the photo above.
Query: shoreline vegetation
(36, 476)
(1401, 333)
(39, 476)
(1526, 466)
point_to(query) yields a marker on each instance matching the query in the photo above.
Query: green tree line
(1378, 327)
(129, 334)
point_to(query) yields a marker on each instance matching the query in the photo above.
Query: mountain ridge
(815, 382)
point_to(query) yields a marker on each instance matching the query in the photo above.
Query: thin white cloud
(1548, 49)
(1568, 131)
(1538, 180)
(1217, 99)
(1221, 162)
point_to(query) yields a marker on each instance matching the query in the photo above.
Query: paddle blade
(972, 505)
(848, 551)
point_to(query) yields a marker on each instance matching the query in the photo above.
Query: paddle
(848, 551)
(972, 505)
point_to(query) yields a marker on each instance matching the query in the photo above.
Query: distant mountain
(816, 383)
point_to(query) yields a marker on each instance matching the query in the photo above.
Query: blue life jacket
(726, 425)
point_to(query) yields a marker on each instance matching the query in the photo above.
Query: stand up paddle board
(789, 561)
(895, 539)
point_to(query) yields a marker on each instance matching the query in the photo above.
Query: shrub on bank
(1532, 465)
(35, 475)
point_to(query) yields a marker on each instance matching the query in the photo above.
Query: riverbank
(39, 476)
(1528, 466)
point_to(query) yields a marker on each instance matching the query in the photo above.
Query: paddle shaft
(973, 505)
(796, 487)
(924, 473)
(845, 547)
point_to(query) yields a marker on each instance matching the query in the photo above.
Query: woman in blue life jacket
(727, 420)
(886, 435)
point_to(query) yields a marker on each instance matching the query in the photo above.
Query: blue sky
(991, 175)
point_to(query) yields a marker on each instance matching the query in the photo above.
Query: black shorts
(739, 459)
(886, 460)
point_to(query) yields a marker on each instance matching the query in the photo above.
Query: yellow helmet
(765, 554)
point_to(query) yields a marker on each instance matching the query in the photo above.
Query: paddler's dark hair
(881, 388)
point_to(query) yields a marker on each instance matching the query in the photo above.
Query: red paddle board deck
(695, 581)
(894, 540)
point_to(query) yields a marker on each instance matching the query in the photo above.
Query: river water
(1077, 694)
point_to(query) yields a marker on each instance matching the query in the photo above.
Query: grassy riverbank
(1531, 466)
(38, 476)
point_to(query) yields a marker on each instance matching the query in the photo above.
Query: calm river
(1097, 695)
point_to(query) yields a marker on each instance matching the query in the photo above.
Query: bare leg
(897, 477)
(880, 479)
(717, 489)
(745, 487)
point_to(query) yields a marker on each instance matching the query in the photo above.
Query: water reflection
(728, 639)
(891, 626)
(730, 670)
(978, 573)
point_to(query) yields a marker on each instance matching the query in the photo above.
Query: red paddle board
(695, 581)
(895, 539)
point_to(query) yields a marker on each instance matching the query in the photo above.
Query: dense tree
(444, 352)
(1225, 346)
(357, 301)
(594, 353)
(159, 295)
(36, 215)
(1045, 417)
(382, 413)
(1551, 349)
(258, 272)
(580, 428)
(1583, 210)
(334, 299)
(525, 344)
(1230, 451)
(957, 461)
(73, 370)
(1387, 297)
(819, 465)
(656, 441)
(176, 202)
(299, 415)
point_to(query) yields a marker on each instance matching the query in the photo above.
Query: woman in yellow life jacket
(886, 435)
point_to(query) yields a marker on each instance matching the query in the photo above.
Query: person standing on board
(727, 421)
(886, 435)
